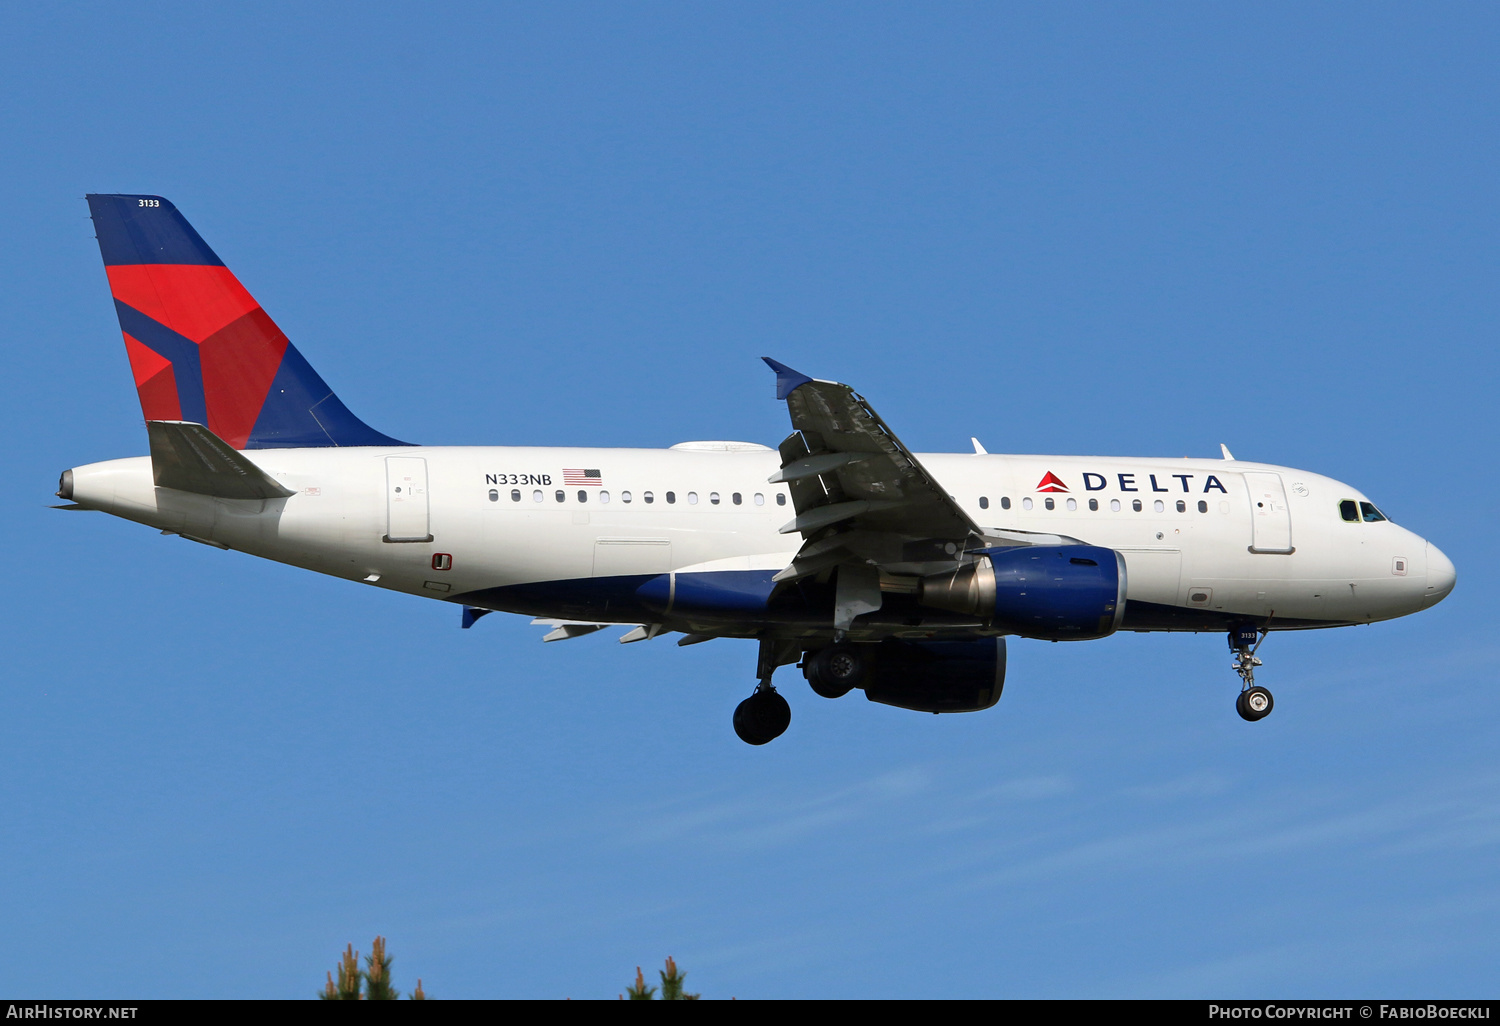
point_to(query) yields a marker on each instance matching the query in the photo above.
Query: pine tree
(347, 988)
(376, 978)
(378, 974)
(671, 983)
(641, 992)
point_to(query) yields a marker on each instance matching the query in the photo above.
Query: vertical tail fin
(201, 348)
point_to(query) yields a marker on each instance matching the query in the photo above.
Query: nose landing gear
(1254, 702)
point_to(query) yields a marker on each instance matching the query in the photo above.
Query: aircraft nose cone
(1440, 576)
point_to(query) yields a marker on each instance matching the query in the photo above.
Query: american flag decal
(582, 477)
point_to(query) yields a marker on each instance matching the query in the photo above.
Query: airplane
(839, 550)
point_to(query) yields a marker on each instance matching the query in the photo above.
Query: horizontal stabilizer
(191, 458)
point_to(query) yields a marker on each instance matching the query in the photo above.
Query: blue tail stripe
(183, 352)
(301, 411)
(146, 230)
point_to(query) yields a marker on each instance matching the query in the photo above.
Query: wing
(862, 499)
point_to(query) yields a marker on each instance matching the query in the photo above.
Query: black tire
(747, 725)
(835, 671)
(762, 718)
(1255, 703)
(775, 713)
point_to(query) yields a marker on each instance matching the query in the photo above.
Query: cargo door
(1270, 518)
(406, 499)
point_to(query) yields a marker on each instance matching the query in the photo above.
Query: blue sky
(1112, 229)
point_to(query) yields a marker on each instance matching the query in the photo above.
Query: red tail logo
(1051, 483)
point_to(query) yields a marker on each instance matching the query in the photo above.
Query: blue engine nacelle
(927, 676)
(1056, 592)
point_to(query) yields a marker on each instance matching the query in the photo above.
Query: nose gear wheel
(1254, 703)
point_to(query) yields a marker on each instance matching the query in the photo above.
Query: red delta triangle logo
(1051, 483)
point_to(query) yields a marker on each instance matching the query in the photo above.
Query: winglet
(979, 450)
(787, 380)
(1225, 450)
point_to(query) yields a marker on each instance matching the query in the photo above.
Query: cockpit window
(1349, 510)
(1371, 514)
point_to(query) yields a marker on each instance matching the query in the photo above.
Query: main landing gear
(1255, 702)
(765, 715)
(835, 671)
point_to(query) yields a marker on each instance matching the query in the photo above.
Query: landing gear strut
(765, 715)
(1254, 702)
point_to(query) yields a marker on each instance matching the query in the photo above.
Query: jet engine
(1056, 593)
(927, 676)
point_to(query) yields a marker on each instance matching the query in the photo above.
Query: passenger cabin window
(536, 496)
(984, 502)
(494, 495)
(1349, 511)
(692, 498)
(1026, 502)
(561, 495)
(1181, 506)
(583, 496)
(671, 497)
(736, 498)
(1005, 502)
(1094, 504)
(1159, 506)
(1371, 514)
(760, 499)
(515, 495)
(1049, 504)
(713, 497)
(1135, 504)
(1072, 503)
(603, 496)
(780, 499)
(647, 498)
(1202, 506)
(624, 496)
(1114, 505)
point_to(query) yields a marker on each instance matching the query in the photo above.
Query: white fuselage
(1228, 538)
